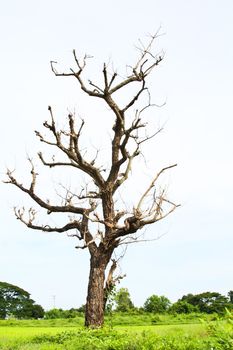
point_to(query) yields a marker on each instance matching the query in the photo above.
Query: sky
(194, 252)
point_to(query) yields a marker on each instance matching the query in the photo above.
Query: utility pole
(54, 301)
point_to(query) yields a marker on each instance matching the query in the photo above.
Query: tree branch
(41, 202)
(138, 208)
(46, 228)
(129, 134)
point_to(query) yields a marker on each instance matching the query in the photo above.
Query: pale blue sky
(196, 80)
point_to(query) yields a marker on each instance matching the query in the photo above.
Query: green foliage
(157, 304)
(183, 307)
(81, 309)
(220, 334)
(59, 338)
(123, 300)
(44, 323)
(208, 302)
(230, 296)
(111, 300)
(115, 340)
(156, 319)
(16, 302)
(59, 313)
(37, 311)
(135, 318)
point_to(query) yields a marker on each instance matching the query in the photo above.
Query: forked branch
(138, 208)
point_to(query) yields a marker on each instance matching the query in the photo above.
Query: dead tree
(95, 220)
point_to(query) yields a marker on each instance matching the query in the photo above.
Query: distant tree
(157, 304)
(81, 308)
(60, 313)
(3, 304)
(37, 311)
(208, 302)
(95, 213)
(230, 296)
(16, 301)
(29, 310)
(54, 314)
(72, 313)
(123, 300)
(183, 307)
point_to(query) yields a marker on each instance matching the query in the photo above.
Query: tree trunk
(94, 313)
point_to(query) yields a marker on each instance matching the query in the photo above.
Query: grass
(71, 322)
(163, 330)
(69, 334)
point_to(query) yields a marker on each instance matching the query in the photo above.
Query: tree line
(206, 302)
(16, 302)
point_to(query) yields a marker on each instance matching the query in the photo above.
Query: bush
(221, 333)
(112, 340)
(59, 313)
(155, 319)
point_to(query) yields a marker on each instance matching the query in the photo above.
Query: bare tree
(95, 221)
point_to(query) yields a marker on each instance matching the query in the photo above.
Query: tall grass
(57, 335)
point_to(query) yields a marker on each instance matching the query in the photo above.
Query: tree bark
(94, 313)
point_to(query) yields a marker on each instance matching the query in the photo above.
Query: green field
(70, 335)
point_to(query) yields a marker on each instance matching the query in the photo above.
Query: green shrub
(155, 319)
(183, 307)
(221, 333)
(113, 340)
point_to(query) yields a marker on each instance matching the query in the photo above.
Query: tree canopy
(157, 304)
(123, 300)
(208, 302)
(183, 307)
(15, 301)
(230, 296)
